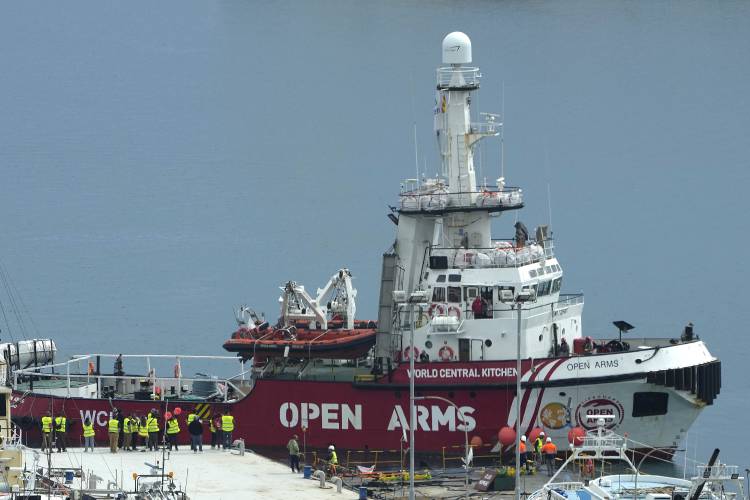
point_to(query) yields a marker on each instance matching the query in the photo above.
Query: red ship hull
(374, 415)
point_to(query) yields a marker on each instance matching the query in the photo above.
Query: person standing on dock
(152, 426)
(522, 452)
(127, 422)
(60, 437)
(47, 431)
(333, 459)
(195, 428)
(88, 435)
(142, 434)
(550, 452)
(173, 430)
(134, 426)
(538, 443)
(227, 427)
(293, 447)
(214, 426)
(113, 426)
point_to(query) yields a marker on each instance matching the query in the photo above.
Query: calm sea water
(163, 162)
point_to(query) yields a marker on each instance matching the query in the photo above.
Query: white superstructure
(444, 243)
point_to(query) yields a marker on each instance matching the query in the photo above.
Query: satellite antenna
(623, 326)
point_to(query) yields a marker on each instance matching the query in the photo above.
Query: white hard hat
(542, 433)
(523, 438)
(331, 448)
(549, 440)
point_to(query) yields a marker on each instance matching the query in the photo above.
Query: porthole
(488, 343)
(428, 344)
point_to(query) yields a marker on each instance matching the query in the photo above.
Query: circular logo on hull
(555, 416)
(590, 410)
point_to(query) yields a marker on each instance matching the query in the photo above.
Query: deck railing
(157, 385)
(452, 77)
(437, 198)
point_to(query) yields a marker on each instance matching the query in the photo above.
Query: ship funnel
(456, 48)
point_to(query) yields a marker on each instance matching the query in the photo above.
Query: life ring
(435, 307)
(457, 311)
(446, 353)
(407, 352)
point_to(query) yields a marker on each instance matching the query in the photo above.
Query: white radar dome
(456, 48)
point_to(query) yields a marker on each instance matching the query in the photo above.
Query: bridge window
(648, 404)
(454, 278)
(454, 294)
(441, 278)
(532, 273)
(556, 284)
(470, 293)
(438, 294)
(544, 288)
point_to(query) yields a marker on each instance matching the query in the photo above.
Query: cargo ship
(332, 379)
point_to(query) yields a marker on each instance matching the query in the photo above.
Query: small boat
(713, 481)
(306, 329)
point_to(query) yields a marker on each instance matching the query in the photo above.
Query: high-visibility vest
(549, 449)
(114, 426)
(60, 424)
(173, 426)
(47, 424)
(334, 458)
(522, 447)
(88, 430)
(126, 425)
(143, 430)
(134, 425)
(227, 423)
(538, 444)
(152, 425)
(211, 425)
(191, 417)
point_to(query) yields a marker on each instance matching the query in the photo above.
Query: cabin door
(464, 349)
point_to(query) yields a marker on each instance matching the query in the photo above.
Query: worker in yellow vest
(152, 426)
(142, 434)
(88, 435)
(126, 437)
(47, 431)
(173, 430)
(60, 437)
(192, 416)
(113, 428)
(134, 424)
(213, 423)
(227, 427)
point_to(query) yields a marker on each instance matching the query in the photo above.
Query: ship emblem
(590, 410)
(555, 416)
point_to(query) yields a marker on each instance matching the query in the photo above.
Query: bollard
(321, 476)
(338, 482)
(307, 471)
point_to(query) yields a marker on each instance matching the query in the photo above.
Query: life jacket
(114, 426)
(47, 424)
(88, 430)
(152, 425)
(60, 424)
(227, 423)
